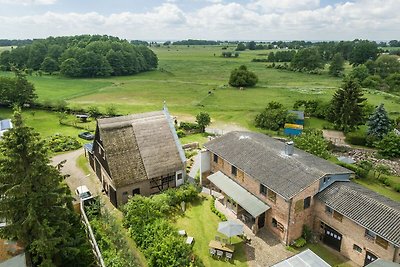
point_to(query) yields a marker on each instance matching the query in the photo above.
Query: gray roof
(383, 263)
(140, 146)
(16, 261)
(5, 124)
(264, 159)
(365, 207)
(245, 199)
(306, 258)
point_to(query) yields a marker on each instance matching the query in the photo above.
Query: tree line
(14, 42)
(81, 56)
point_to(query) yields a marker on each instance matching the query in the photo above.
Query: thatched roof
(140, 146)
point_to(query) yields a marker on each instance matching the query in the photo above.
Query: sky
(203, 19)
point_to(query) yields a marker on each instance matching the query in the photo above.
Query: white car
(83, 192)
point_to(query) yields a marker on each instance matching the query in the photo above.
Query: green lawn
(201, 138)
(202, 224)
(330, 257)
(380, 188)
(46, 123)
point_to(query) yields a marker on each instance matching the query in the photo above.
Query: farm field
(192, 79)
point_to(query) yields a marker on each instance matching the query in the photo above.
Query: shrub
(61, 143)
(215, 211)
(359, 172)
(307, 234)
(389, 146)
(300, 242)
(397, 187)
(180, 133)
(189, 126)
(356, 138)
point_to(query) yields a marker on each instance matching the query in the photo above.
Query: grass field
(202, 224)
(192, 79)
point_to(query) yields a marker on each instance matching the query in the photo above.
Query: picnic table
(220, 246)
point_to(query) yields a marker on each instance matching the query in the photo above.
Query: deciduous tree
(203, 120)
(242, 77)
(336, 67)
(312, 141)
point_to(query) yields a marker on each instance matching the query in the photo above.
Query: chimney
(289, 148)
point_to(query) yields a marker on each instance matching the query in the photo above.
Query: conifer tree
(35, 202)
(347, 106)
(379, 123)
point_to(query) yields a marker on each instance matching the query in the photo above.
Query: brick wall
(279, 209)
(352, 234)
(299, 215)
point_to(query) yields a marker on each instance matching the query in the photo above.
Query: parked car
(86, 135)
(83, 192)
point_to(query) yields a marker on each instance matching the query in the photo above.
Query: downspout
(396, 251)
(288, 223)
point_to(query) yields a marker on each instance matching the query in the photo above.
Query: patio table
(220, 246)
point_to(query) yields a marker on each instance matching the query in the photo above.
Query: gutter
(288, 224)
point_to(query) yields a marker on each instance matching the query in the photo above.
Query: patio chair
(224, 241)
(228, 256)
(220, 253)
(212, 252)
(217, 238)
(190, 240)
(182, 232)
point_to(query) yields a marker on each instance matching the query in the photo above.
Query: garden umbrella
(230, 228)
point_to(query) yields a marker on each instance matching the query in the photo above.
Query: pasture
(193, 79)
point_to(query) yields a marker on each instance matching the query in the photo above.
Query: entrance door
(261, 220)
(369, 257)
(113, 197)
(332, 238)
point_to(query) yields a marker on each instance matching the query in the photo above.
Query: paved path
(196, 166)
(77, 177)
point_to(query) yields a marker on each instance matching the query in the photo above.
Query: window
(124, 193)
(322, 225)
(234, 170)
(357, 248)
(299, 206)
(328, 210)
(179, 176)
(263, 189)
(215, 158)
(369, 234)
(307, 202)
(271, 195)
(381, 242)
(274, 222)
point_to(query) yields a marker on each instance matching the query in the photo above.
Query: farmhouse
(270, 184)
(137, 154)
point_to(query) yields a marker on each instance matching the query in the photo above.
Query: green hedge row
(215, 211)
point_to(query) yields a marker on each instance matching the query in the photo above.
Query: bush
(356, 138)
(397, 187)
(359, 172)
(61, 143)
(300, 242)
(180, 133)
(307, 234)
(151, 229)
(389, 146)
(215, 211)
(189, 126)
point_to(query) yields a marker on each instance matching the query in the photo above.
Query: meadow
(193, 79)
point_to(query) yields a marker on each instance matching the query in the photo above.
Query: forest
(81, 56)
